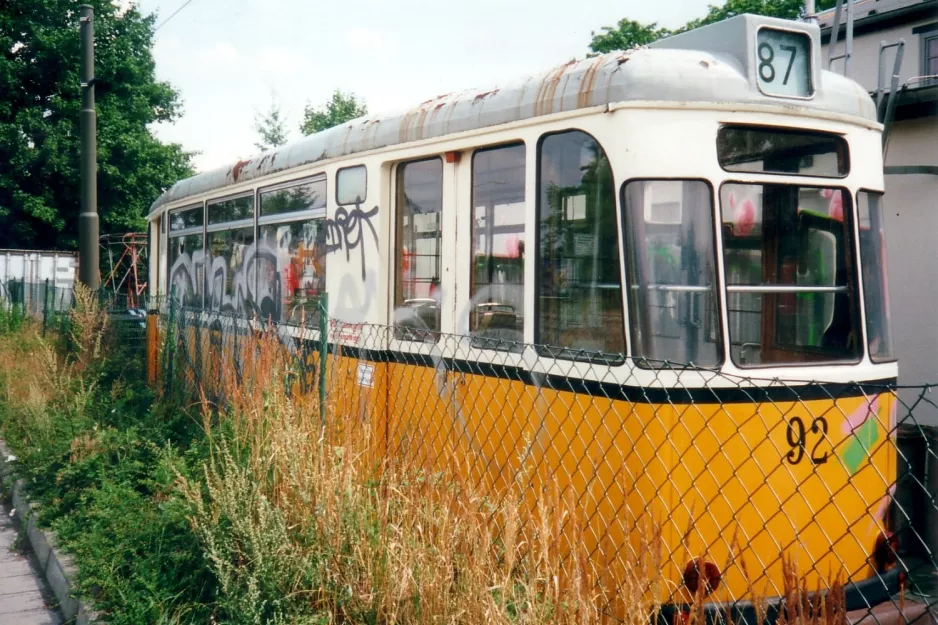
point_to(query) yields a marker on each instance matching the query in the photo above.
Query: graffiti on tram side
(347, 231)
(281, 275)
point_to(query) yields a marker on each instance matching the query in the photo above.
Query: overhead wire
(174, 14)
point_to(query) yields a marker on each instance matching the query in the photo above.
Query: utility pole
(88, 272)
(810, 16)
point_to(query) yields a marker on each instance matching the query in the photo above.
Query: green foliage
(39, 131)
(628, 34)
(341, 108)
(271, 127)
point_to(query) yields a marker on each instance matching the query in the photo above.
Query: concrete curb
(58, 568)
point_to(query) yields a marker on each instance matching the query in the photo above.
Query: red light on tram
(698, 568)
(452, 157)
(886, 550)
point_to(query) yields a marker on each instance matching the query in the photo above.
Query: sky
(231, 59)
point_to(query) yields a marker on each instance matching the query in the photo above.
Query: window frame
(396, 229)
(782, 130)
(290, 215)
(338, 173)
(852, 258)
(482, 342)
(924, 39)
(171, 234)
(565, 353)
(718, 288)
(866, 339)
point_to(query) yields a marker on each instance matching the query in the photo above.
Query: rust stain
(543, 103)
(586, 85)
(485, 94)
(439, 106)
(238, 167)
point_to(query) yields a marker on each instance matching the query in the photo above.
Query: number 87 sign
(783, 63)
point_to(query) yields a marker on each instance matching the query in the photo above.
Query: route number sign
(783, 63)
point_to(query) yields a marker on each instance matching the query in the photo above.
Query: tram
(618, 261)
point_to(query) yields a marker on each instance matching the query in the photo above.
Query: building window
(579, 294)
(417, 292)
(930, 55)
(496, 318)
(351, 185)
(671, 266)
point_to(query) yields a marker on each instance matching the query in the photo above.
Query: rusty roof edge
(635, 75)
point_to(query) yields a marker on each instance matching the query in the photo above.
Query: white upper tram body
(657, 114)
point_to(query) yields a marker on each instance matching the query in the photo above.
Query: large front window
(790, 279)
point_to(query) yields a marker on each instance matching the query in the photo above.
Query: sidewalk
(23, 593)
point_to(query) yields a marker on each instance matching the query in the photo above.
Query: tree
(271, 126)
(341, 108)
(39, 132)
(627, 34)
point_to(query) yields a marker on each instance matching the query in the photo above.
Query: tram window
(298, 197)
(873, 263)
(579, 301)
(782, 151)
(230, 277)
(670, 262)
(185, 218)
(291, 271)
(351, 184)
(419, 235)
(234, 209)
(186, 268)
(496, 319)
(790, 275)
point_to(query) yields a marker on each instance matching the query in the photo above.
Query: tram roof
(712, 64)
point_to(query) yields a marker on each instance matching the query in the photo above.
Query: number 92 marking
(767, 58)
(797, 435)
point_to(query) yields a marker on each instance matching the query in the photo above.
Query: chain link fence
(733, 482)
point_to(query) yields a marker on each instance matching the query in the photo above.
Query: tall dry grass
(300, 522)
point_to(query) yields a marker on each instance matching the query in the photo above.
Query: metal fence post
(45, 307)
(323, 353)
(170, 340)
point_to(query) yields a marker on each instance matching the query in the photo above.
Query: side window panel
(873, 263)
(790, 278)
(579, 294)
(351, 185)
(291, 270)
(186, 255)
(419, 207)
(186, 268)
(230, 278)
(671, 266)
(496, 292)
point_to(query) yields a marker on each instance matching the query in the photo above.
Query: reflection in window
(789, 274)
(580, 290)
(419, 236)
(670, 262)
(185, 218)
(307, 196)
(291, 271)
(873, 263)
(231, 274)
(775, 150)
(497, 288)
(186, 268)
(351, 185)
(234, 209)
